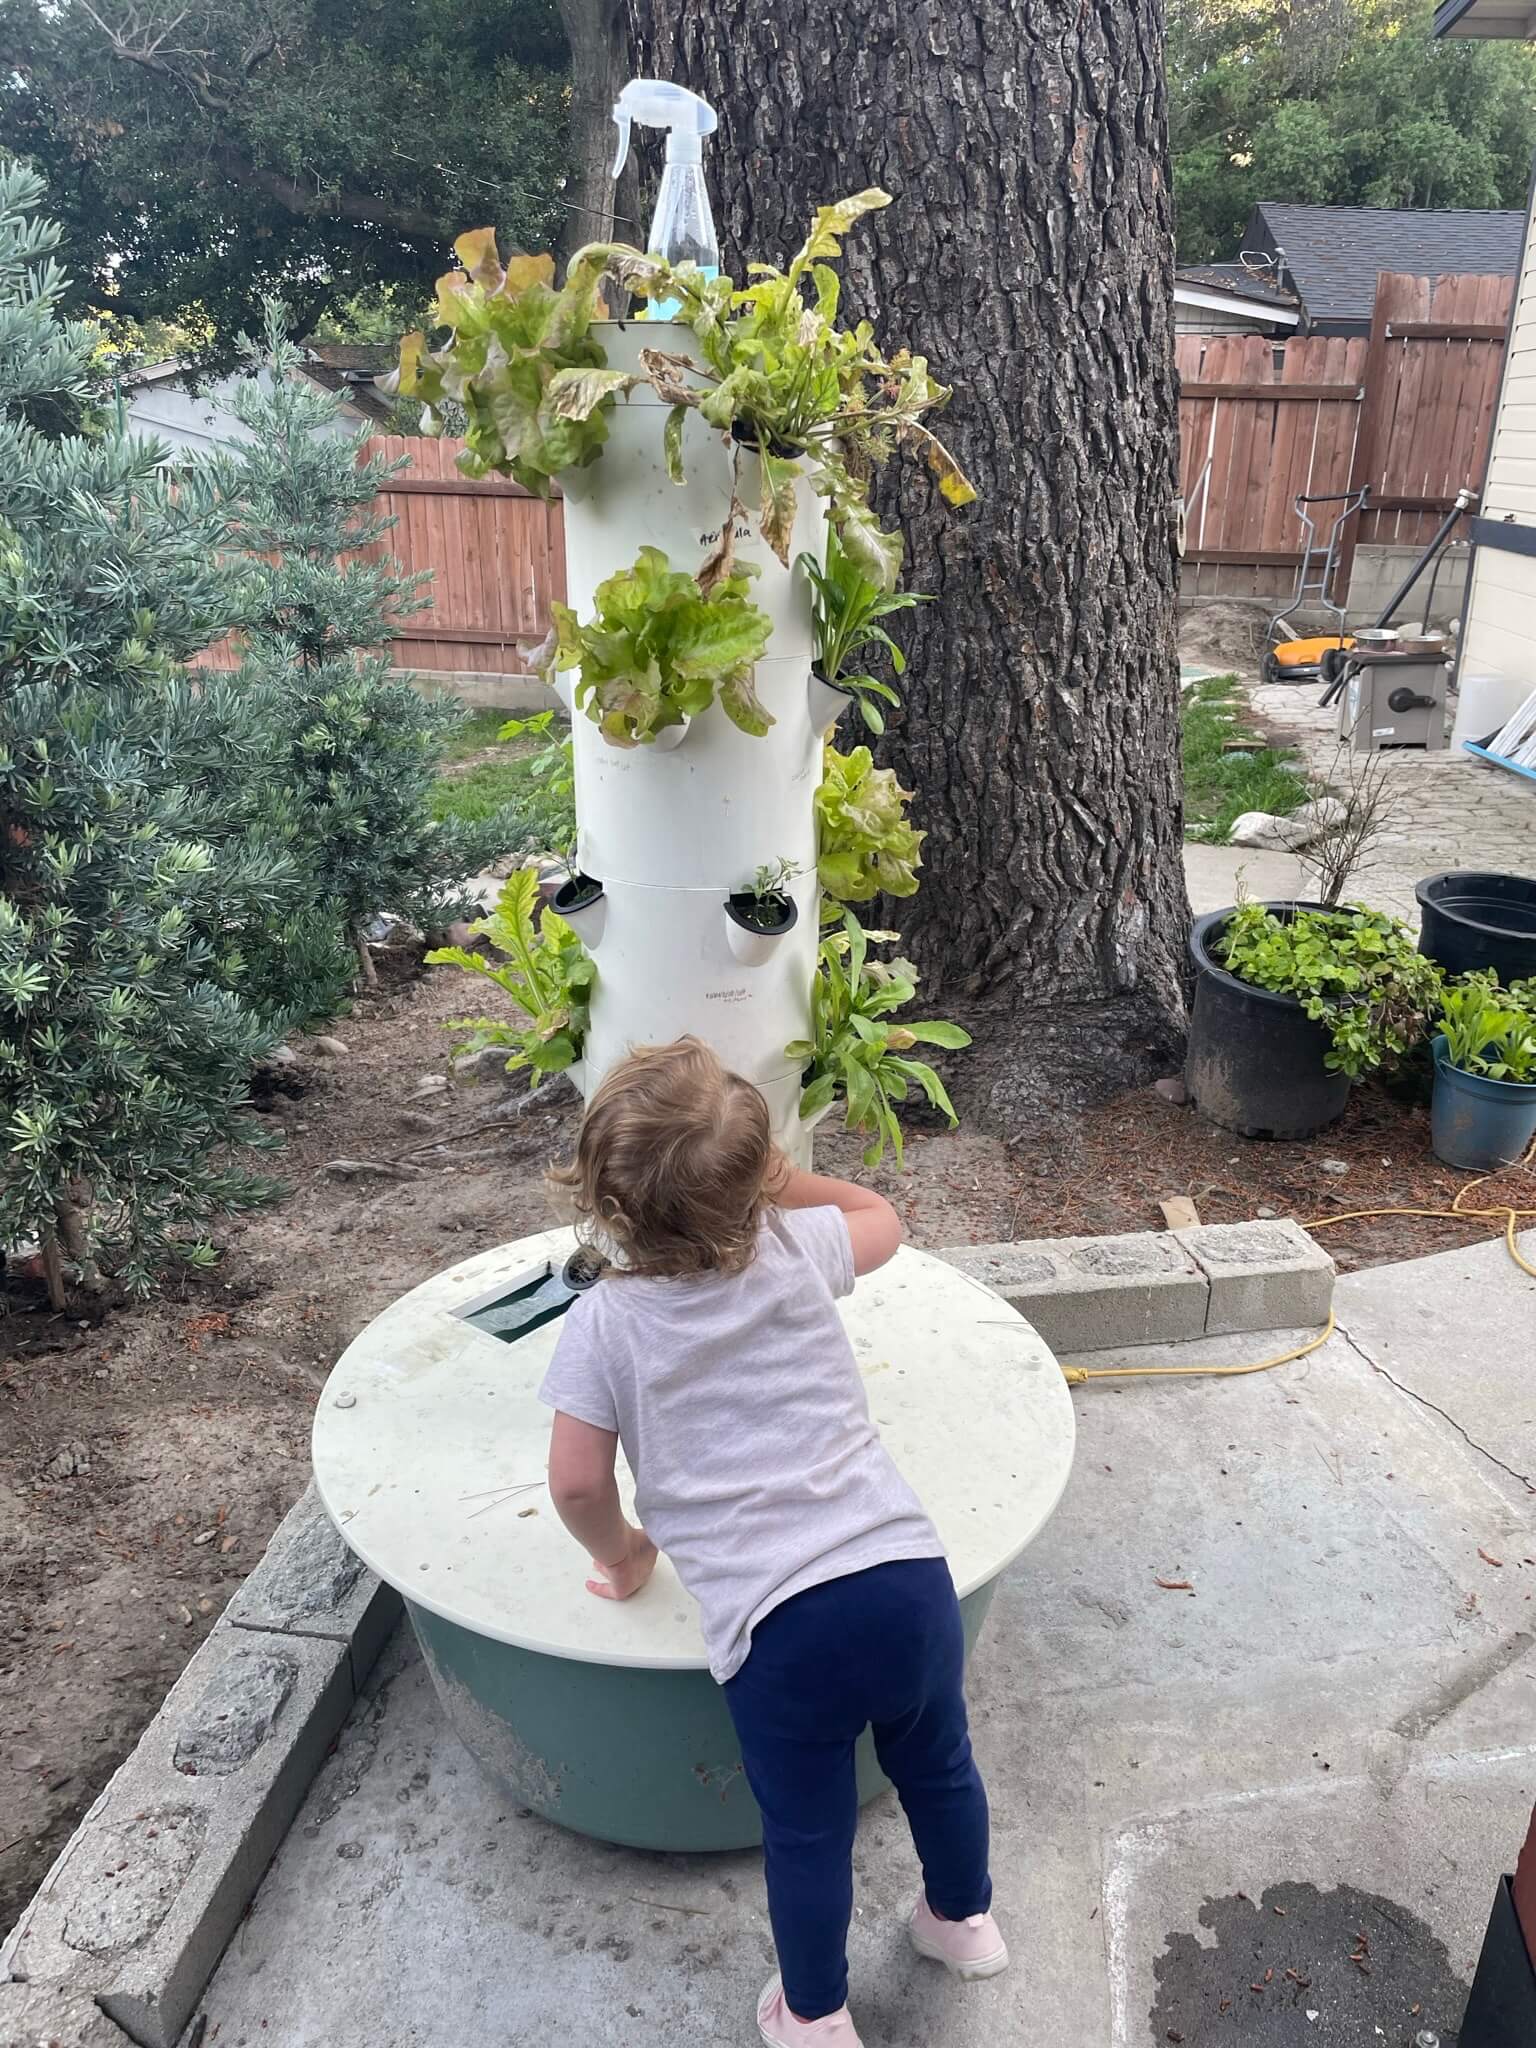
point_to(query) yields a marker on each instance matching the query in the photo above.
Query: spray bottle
(682, 229)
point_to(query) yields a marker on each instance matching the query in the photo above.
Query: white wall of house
(200, 421)
(1206, 320)
(1498, 638)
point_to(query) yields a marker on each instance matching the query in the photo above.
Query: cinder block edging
(128, 1926)
(1087, 1294)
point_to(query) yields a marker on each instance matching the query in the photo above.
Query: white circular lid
(428, 1424)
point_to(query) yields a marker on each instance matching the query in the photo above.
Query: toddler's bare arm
(874, 1229)
(586, 1498)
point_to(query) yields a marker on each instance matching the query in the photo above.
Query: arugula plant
(1489, 1030)
(864, 841)
(514, 344)
(547, 972)
(1356, 971)
(662, 646)
(772, 878)
(846, 610)
(858, 1052)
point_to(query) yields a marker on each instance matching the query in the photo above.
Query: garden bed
(188, 1418)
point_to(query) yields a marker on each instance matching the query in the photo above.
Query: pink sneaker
(780, 2028)
(968, 1949)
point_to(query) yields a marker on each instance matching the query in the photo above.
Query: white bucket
(1487, 701)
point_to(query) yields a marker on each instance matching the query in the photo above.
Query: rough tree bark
(597, 32)
(1029, 255)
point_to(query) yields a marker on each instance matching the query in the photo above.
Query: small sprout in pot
(577, 892)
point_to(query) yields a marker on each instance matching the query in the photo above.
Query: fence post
(1363, 464)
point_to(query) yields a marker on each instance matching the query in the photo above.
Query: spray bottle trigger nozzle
(658, 103)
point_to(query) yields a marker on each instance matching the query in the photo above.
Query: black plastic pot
(745, 436)
(769, 915)
(576, 892)
(1256, 1061)
(1502, 2008)
(1471, 922)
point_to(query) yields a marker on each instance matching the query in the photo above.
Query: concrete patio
(1204, 1799)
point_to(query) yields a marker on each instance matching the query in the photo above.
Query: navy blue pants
(881, 1648)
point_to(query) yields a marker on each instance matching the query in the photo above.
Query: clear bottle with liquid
(682, 227)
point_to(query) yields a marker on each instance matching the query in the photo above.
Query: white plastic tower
(672, 830)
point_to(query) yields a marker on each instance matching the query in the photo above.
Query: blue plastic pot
(1477, 1123)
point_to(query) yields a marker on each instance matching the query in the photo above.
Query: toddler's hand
(619, 1581)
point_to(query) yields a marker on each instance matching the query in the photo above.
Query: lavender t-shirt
(742, 1414)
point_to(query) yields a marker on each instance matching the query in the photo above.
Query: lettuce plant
(662, 646)
(857, 1051)
(780, 374)
(546, 971)
(864, 842)
(777, 371)
(512, 340)
(1491, 1030)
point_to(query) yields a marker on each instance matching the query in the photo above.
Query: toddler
(713, 1350)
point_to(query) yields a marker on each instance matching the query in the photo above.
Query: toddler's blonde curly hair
(674, 1164)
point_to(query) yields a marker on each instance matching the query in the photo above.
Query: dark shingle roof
(1238, 279)
(1332, 253)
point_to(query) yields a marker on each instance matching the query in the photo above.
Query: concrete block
(1095, 1293)
(1262, 1276)
(54, 2016)
(137, 1910)
(310, 1584)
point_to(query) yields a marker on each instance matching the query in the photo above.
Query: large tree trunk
(1029, 255)
(598, 34)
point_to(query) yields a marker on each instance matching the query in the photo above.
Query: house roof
(1485, 19)
(1236, 278)
(1333, 253)
(355, 386)
(334, 366)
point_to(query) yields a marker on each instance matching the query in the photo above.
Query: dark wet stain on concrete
(1303, 1968)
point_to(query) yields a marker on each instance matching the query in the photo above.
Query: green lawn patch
(506, 779)
(1219, 783)
(480, 730)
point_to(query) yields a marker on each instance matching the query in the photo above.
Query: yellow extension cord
(1075, 1375)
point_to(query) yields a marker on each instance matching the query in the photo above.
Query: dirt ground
(144, 1462)
(1225, 632)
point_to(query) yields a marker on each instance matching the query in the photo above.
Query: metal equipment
(1391, 693)
(1295, 661)
(1292, 660)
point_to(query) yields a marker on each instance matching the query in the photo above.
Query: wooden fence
(496, 555)
(496, 552)
(1408, 410)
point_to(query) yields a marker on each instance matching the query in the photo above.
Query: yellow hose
(1512, 1216)
(1075, 1375)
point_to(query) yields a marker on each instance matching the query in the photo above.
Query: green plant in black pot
(847, 610)
(1357, 972)
(546, 971)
